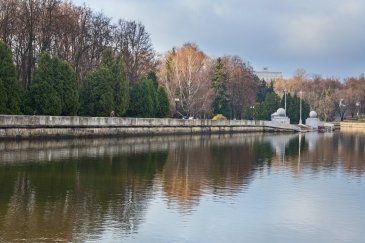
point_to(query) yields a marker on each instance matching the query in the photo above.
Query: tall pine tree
(219, 85)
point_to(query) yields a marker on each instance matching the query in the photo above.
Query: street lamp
(285, 100)
(342, 111)
(252, 112)
(300, 108)
(358, 109)
(176, 104)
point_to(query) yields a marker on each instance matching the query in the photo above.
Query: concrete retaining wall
(356, 125)
(58, 126)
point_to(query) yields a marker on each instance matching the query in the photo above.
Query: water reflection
(76, 190)
(73, 195)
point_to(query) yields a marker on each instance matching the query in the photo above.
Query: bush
(219, 117)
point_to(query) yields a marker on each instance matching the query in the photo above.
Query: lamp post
(342, 109)
(176, 104)
(358, 109)
(285, 100)
(300, 108)
(252, 112)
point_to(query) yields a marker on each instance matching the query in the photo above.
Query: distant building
(267, 75)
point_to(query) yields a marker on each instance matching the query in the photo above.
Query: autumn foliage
(75, 80)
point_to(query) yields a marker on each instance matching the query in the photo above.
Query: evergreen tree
(163, 101)
(264, 109)
(10, 88)
(220, 103)
(219, 81)
(54, 89)
(263, 89)
(120, 83)
(70, 89)
(97, 96)
(141, 99)
(152, 76)
(293, 108)
(45, 98)
(221, 106)
(152, 93)
(148, 99)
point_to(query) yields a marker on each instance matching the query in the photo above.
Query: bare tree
(133, 41)
(241, 85)
(186, 77)
(320, 93)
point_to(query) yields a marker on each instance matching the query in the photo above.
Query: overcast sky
(325, 37)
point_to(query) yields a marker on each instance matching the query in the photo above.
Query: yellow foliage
(219, 117)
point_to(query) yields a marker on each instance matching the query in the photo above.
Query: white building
(267, 75)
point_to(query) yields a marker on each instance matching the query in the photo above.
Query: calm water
(241, 188)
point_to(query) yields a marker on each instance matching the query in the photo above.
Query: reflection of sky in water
(275, 208)
(244, 188)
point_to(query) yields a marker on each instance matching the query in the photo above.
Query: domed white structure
(280, 112)
(312, 121)
(280, 116)
(313, 114)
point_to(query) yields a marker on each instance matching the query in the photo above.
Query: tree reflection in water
(74, 190)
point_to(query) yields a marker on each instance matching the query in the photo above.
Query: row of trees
(54, 89)
(72, 33)
(330, 97)
(225, 86)
(71, 60)
(200, 86)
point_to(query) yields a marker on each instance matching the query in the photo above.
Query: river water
(229, 188)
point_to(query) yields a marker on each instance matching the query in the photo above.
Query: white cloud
(319, 35)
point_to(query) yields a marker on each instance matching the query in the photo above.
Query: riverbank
(24, 127)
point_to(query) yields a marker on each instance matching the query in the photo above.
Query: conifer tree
(70, 88)
(142, 100)
(293, 108)
(10, 88)
(97, 97)
(148, 99)
(163, 102)
(219, 85)
(270, 105)
(120, 83)
(219, 81)
(45, 98)
(54, 89)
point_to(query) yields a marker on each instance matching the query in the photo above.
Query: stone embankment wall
(58, 126)
(357, 125)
